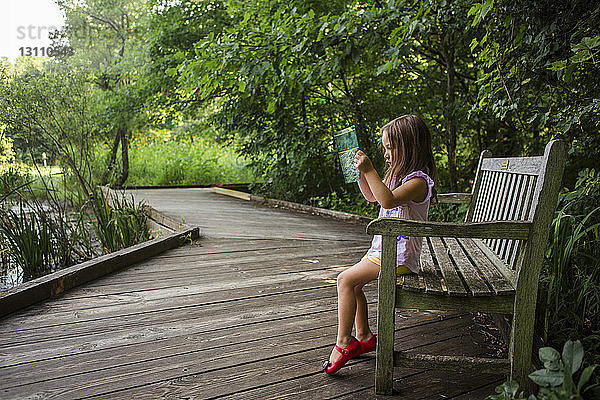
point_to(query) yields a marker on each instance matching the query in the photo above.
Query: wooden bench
(489, 263)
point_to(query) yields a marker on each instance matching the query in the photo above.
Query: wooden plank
(509, 214)
(409, 282)
(501, 266)
(490, 229)
(431, 276)
(514, 261)
(422, 301)
(56, 283)
(410, 324)
(477, 184)
(481, 392)
(164, 317)
(495, 279)
(232, 193)
(454, 363)
(483, 191)
(519, 165)
(229, 369)
(517, 215)
(354, 383)
(505, 201)
(455, 198)
(542, 211)
(496, 202)
(475, 284)
(100, 311)
(491, 195)
(454, 285)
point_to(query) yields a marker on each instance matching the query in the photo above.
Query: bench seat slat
(495, 278)
(410, 282)
(475, 284)
(482, 271)
(431, 277)
(452, 281)
(509, 274)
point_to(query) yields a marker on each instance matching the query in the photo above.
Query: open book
(346, 145)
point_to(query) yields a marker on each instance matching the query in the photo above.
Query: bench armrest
(482, 230)
(455, 198)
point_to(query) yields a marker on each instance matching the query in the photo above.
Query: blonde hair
(410, 141)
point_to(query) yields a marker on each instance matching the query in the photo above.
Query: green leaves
(479, 11)
(556, 380)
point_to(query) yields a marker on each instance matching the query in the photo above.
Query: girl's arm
(365, 189)
(413, 189)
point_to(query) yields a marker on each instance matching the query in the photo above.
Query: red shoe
(350, 351)
(368, 345)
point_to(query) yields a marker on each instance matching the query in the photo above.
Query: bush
(12, 176)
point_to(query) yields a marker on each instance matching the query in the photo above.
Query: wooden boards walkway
(247, 312)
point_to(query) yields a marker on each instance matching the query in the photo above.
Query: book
(346, 145)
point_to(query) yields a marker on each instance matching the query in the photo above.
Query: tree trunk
(112, 158)
(125, 156)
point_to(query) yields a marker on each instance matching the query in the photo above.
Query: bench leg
(384, 374)
(521, 342)
(384, 369)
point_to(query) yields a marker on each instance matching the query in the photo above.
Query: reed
(121, 222)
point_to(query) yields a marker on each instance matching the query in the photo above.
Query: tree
(541, 72)
(106, 37)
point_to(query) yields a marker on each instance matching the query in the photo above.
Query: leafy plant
(558, 380)
(120, 221)
(570, 281)
(29, 236)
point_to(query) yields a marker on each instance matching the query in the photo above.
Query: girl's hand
(362, 162)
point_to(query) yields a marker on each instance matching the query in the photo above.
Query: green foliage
(121, 221)
(28, 236)
(346, 201)
(12, 177)
(48, 109)
(558, 379)
(570, 281)
(165, 157)
(7, 154)
(541, 72)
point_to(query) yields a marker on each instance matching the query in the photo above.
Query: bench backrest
(510, 188)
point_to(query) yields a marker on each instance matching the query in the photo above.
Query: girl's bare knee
(341, 279)
(344, 280)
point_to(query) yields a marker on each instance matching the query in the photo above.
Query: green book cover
(346, 145)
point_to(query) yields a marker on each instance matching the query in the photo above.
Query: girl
(405, 192)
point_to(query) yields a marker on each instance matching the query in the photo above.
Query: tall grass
(121, 221)
(160, 158)
(47, 224)
(29, 237)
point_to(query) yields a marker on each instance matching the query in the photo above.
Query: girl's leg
(355, 276)
(361, 319)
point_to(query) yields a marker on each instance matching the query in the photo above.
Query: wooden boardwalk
(247, 312)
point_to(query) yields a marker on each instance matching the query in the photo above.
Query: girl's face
(387, 148)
